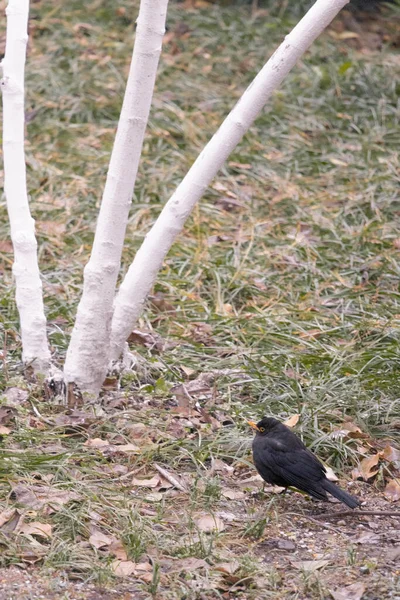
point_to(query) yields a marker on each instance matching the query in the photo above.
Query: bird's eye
(262, 429)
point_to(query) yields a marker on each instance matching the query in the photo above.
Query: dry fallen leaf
(366, 469)
(122, 449)
(182, 395)
(51, 228)
(228, 568)
(349, 430)
(330, 474)
(123, 568)
(95, 516)
(144, 566)
(227, 516)
(165, 484)
(37, 496)
(201, 333)
(220, 466)
(15, 395)
(176, 429)
(201, 386)
(392, 455)
(6, 515)
(207, 418)
(98, 539)
(11, 521)
(169, 479)
(117, 549)
(185, 412)
(37, 529)
(149, 339)
(159, 302)
(140, 431)
(284, 544)
(292, 421)
(350, 592)
(187, 370)
(154, 497)
(233, 494)
(393, 555)
(189, 564)
(253, 483)
(31, 556)
(368, 537)
(310, 565)
(392, 490)
(96, 443)
(111, 449)
(4, 430)
(152, 482)
(208, 524)
(74, 419)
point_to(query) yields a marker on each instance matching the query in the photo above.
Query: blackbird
(282, 459)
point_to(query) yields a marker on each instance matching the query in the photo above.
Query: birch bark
(88, 352)
(29, 297)
(148, 260)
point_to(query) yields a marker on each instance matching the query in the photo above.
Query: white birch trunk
(29, 298)
(88, 352)
(148, 260)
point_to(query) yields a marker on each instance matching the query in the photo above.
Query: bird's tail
(340, 494)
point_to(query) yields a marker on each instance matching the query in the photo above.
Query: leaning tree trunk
(88, 352)
(148, 260)
(29, 297)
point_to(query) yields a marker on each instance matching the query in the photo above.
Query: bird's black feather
(282, 459)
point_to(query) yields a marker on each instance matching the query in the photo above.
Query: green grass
(291, 258)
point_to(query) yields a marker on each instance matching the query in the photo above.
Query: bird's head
(265, 425)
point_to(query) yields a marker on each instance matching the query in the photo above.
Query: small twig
(129, 474)
(359, 513)
(170, 478)
(308, 518)
(39, 416)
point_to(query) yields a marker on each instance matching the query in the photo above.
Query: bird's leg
(261, 493)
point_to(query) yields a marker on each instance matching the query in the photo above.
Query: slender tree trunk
(149, 259)
(29, 297)
(88, 352)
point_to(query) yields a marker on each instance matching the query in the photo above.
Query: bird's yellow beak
(253, 425)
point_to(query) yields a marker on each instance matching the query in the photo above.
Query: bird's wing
(299, 467)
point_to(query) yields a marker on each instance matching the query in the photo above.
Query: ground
(280, 298)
